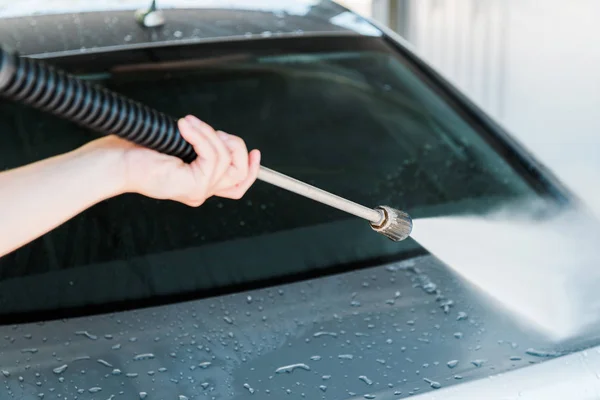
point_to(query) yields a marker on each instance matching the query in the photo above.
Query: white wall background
(533, 65)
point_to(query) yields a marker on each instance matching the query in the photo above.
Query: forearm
(36, 198)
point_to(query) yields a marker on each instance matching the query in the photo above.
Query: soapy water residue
(546, 272)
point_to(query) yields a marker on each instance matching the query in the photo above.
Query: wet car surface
(389, 331)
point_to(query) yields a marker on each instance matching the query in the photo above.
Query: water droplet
(21, 379)
(162, 369)
(355, 303)
(397, 393)
(458, 335)
(429, 287)
(177, 34)
(319, 334)
(315, 358)
(458, 377)
(291, 368)
(323, 388)
(515, 358)
(228, 320)
(143, 395)
(346, 356)
(182, 397)
(31, 350)
(81, 358)
(433, 384)
(478, 363)
(266, 34)
(249, 388)
(541, 353)
(116, 346)
(60, 370)
(205, 364)
(144, 356)
(249, 299)
(5, 373)
(41, 395)
(131, 374)
(116, 371)
(105, 363)
(87, 335)
(95, 389)
(462, 316)
(369, 396)
(365, 380)
(452, 363)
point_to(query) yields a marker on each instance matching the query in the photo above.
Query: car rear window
(359, 123)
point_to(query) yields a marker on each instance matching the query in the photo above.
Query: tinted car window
(361, 124)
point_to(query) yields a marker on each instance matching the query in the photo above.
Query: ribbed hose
(40, 86)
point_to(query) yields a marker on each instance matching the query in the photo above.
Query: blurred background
(532, 65)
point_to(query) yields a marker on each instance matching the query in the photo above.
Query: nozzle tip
(397, 225)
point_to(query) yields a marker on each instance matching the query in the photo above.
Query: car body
(261, 315)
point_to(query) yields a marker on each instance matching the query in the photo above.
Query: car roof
(75, 28)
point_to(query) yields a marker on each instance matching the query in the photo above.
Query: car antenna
(151, 17)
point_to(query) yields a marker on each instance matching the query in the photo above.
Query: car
(274, 295)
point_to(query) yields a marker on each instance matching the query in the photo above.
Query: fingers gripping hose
(42, 87)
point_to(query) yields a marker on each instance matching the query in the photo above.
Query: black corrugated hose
(45, 88)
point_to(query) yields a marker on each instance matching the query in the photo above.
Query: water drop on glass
(144, 356)
(87, 335)
(105, 363)
(60, 370)
(433, 384)
(291, 368)
(249, 388)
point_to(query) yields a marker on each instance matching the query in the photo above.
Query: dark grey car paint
(41, 34)
(388, 331)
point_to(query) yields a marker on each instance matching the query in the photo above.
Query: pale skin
(37, 198)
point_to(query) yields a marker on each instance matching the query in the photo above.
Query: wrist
(106, 167)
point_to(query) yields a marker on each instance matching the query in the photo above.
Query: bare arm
(37, 198)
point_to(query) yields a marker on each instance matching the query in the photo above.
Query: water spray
(45, 88)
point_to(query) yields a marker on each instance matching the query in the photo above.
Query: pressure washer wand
(394, 224)
(40, 86)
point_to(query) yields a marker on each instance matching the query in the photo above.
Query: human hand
(223, 168)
